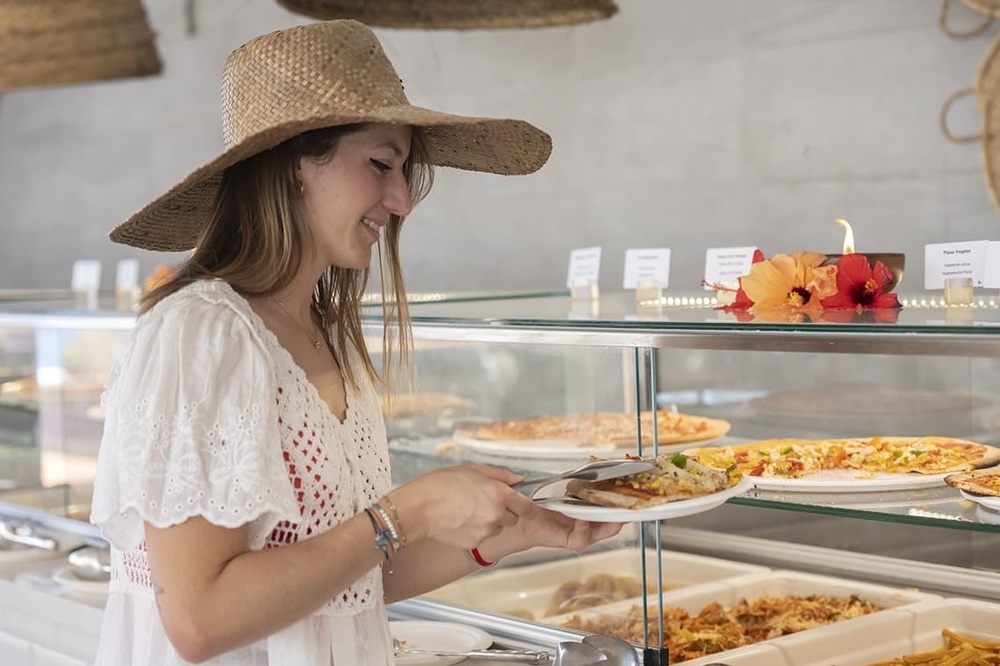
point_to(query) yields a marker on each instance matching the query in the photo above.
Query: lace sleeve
(191, 427)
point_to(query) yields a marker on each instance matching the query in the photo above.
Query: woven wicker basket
(457, 14)
(989, 8)
(986, 89)
(57, 42)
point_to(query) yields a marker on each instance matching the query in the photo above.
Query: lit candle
(848, 236)
(894, 261)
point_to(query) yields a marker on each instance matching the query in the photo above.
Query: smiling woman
(243, 478)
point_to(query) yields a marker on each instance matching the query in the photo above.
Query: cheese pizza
(611, 429)
(676, 477)
(984, 482)
(795, 458)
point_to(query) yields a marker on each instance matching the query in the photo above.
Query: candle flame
(848, 236)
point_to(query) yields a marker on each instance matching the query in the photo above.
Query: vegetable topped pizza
(795, 458)
(676, 477)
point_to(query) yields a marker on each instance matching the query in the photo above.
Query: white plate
(607, 514)
(992, 503)
(534, 448)
(65, 577)
(557, 448)
(850, 481)
(443, 636)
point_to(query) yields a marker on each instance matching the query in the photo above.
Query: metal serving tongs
(521, 656)
(594, 471)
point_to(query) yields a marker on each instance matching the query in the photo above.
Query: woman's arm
(430, 564)
(215, 596)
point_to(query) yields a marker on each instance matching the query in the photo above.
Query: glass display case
(933, 370)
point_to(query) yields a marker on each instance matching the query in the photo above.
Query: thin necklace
(315, 341)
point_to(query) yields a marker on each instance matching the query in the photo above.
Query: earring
(300, 187)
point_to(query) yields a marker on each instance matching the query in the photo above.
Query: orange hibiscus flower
(790, 283)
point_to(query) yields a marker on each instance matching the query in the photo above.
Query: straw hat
(457, 14)
(986, 89)
(321, 75)
(53, 42)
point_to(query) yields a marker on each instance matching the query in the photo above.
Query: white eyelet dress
(207, 415)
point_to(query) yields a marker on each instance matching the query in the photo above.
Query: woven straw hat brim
(173, 221)
(457, 14)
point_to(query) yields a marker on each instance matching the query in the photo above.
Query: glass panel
(921, 313)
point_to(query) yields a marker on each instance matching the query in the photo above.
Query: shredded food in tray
(592, 591)
(958, 649)
(716, 629)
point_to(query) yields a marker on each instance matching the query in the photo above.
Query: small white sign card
(991, 275)
(127, 275)
(954, 260)
(584, 267)
(726, 265)
(652, 264)
(86, 276)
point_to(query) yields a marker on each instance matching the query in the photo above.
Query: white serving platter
(530, 589)
(904, 631)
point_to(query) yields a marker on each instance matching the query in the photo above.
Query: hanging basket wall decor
(986, 91)
(60, 42)
(457, 14)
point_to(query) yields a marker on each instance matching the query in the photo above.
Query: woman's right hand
(460, 506)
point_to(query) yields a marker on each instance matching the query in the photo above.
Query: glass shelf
(932, 507)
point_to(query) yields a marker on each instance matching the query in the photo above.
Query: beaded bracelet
(391, 508)
(383, 537)
(397, 542)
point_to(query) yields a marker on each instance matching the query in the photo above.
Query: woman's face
(348, 198)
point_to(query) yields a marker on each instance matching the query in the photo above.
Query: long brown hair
(253, 241)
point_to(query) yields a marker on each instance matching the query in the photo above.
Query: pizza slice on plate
(676, 477)
(984, 482)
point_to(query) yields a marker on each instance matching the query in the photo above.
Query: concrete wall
(679, 123)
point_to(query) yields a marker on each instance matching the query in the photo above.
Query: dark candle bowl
(894, 261)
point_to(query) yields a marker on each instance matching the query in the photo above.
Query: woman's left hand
(542, 527)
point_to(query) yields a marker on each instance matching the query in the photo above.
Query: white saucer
(73, 583)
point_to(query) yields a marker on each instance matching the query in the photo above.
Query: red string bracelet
(480, 560)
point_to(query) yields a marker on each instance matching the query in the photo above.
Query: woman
(243, 477)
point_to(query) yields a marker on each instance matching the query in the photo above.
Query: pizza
(795, 458)
(980, 482)
(676, 477)
(405, 405)
(610, 429)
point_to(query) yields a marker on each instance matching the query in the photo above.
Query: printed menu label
(584, 266)
(954, 260)
(726, 265)
(127, 275)
(651, 264)
(86, 276)
(991, 276)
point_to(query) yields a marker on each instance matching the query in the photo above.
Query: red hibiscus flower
(860, 286)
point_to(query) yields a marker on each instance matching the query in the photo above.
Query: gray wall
(680, 123)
